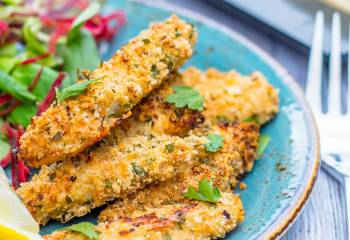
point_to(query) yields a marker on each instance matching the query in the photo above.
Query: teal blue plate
(283, 178)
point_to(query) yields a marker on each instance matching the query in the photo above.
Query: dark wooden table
(324, 215)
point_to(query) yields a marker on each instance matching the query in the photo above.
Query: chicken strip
(232, 97)
(74, 187)
(155, 116)
(151, 126)
(194, 220)
(69, 127)
(224, 167)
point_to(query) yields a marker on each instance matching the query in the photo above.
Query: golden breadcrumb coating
(72, 188)
(153, 115)
(69, 127)
(224, 167)
(194, 220)
(152, 118)
(230, 96)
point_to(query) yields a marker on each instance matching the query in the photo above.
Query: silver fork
(334, 127)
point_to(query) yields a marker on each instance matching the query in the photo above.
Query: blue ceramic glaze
(283, 178)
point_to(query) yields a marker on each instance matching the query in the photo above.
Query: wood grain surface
(323, 217)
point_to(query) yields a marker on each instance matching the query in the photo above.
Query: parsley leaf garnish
(206, 193)
(72, 90)
(185, 95)
(263, 142)
(86, 228)
(215, 142)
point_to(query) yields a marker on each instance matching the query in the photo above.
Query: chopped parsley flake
(252, 119)
(108, 183)
(154, 71)
(138, 170)
(215, 142)
(186, 96)
(206, 192)
(169, 148)
(146, 41)
(222, 119)
(177, 33)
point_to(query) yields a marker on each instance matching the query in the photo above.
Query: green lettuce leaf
(25, 74)
(8, 63)
(81, 53)
(88, 13)
(30, 29)
(18, 90)
(22, 114)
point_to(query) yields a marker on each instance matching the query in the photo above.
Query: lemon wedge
(12, 210)
(9, 232)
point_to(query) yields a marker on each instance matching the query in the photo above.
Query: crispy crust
(74, 187)
(224, 168)
(231, 97)
(45, 195)
(153, 115)
(69, 127)
(196, 220)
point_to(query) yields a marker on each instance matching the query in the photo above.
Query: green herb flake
(205, 160)
(138, 170)
(263, 142)
(177, 33)
(146, 41)
(154, 71)
(222, 119)
(167, 236)
(150, 136)
(206, 192)
(86, 228)
(215, 142)
(148, 119)
(252, 119)
(169, 148)
(170, 62)
(72, 90)
(108, 183)
(68, 200)
(186, 96)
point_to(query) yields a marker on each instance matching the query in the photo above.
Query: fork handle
(340, 170)
(347, 199)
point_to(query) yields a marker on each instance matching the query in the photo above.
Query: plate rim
(277, 229)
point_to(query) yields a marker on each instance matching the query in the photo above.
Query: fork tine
(334, 99)
(348, 90)
(314, 75)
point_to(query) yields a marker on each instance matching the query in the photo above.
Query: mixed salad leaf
(41, 48)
